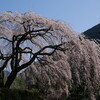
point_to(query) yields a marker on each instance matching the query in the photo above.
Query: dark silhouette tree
(31, 42)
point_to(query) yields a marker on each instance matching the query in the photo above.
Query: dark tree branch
(5, 39)
(31, 34)
(5, 64)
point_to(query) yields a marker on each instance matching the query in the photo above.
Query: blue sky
(79, 14)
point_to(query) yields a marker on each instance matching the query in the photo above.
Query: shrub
(78, 92)
(18, 94)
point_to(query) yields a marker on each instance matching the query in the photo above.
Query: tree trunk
(10, 79)
(1, 79)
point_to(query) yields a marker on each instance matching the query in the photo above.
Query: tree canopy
(26, 38)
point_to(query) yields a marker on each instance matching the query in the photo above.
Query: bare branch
(5, 39)
(5, 64)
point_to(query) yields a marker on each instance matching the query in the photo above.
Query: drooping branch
(5, 39)
(34, 34)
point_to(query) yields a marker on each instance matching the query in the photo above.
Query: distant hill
(93, 33)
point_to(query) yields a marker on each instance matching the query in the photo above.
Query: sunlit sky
(79, 14)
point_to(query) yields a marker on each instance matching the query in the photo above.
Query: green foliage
(18, 94)
(37, 93)
(78, 92)
(98, 97)
(18, 91)
(19, 83)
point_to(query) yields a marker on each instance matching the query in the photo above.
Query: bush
(18, 94)
(78, 92)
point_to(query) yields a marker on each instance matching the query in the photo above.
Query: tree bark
(10, 79)
(1, 79)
